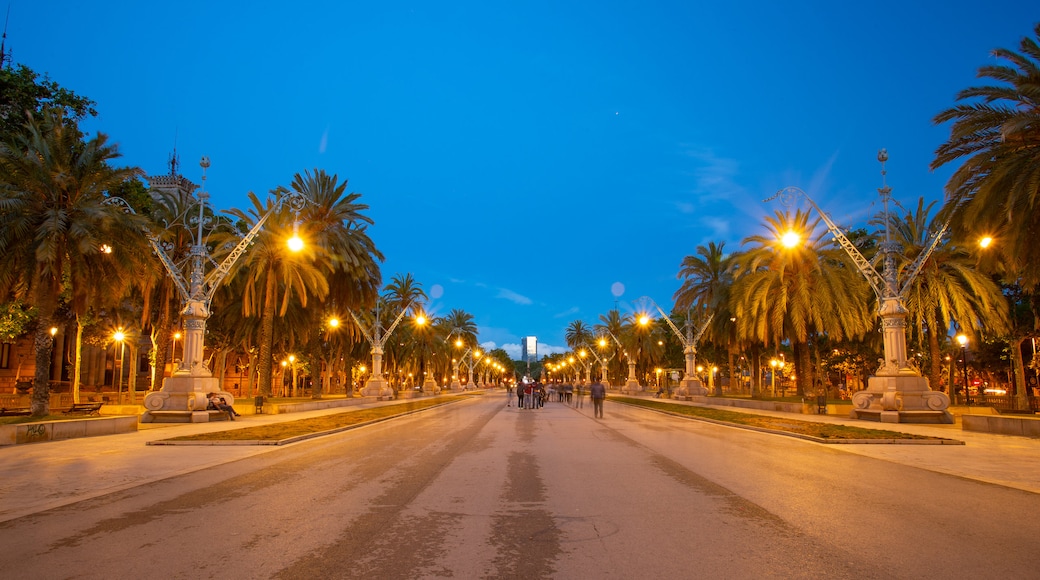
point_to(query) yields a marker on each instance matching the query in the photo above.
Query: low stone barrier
(1025, 426)
(19, 433)
(804, 408)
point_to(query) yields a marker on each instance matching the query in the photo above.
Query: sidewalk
(999, 459)
(42, 476)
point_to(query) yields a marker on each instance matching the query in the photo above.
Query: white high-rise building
(529, 349)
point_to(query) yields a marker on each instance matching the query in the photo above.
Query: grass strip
(824, 431)
(289, 429)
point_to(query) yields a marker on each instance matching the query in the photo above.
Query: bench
(84, 409)
(217, 414)
(15, 411)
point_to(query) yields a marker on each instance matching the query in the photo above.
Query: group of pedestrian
(532, 395)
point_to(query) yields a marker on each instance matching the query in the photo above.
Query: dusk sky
(532, 162)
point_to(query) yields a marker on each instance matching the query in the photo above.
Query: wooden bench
(15, 411)
(84, 409)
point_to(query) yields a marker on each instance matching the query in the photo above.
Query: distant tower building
(173, 184)
(529, 349)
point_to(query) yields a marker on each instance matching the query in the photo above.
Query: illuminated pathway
(479, 490)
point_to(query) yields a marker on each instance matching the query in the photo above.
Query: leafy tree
(56, 230)
(795, 293)
(24, 93)
(948, 289)
(275, 277)
(996, 135)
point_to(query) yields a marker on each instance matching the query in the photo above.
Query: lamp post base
(182, 399)
(900, 399)
(690, 388)
(377, 387)
(632, 387)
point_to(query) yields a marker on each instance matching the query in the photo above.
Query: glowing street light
(120, 336)
(790, 239)
(295, 243)
(962, 339)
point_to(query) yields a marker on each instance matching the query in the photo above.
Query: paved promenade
(42, 476)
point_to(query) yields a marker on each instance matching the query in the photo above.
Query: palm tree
(333, 221)
(274, 277)
(707, 280)
(948, 289)
(997, 134)
(795, 293)
(403, 291)
(577, 334)
(460, 323)
(705, 276)
(55, 228)
(611, 324)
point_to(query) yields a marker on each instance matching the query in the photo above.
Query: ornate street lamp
(690, 383)
(376, 385)
(897, 392)
(183, 395)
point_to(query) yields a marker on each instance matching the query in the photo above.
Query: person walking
(579, 397)
(598, 393)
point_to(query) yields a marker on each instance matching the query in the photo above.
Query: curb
(295, 438)
(931, 441)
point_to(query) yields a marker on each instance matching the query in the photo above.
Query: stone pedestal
(901, 399)
(182, 399)
(376, 386)
(430, 387)
(690, 387)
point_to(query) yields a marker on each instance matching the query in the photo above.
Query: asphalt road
(480, 490)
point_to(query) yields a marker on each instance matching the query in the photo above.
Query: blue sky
(527, 160)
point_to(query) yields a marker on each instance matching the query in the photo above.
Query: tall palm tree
(612, 324)
(460, 323)
(54, 225)
(275, 276)
(705, 276)
(997, 135)
(334, 222)
(795, 293)
(578, 333)
(948, 289)
(404, 290)
(707, 280)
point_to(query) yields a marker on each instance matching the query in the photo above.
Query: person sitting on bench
(219, 404)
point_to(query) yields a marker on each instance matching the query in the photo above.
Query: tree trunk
(1018, 369)
(934, 356)
(802, 368)
(267, 336)
(44, 345)
(162, 337)
(77, 367)
(131, 380)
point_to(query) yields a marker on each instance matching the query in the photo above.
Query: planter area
(57, 430)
